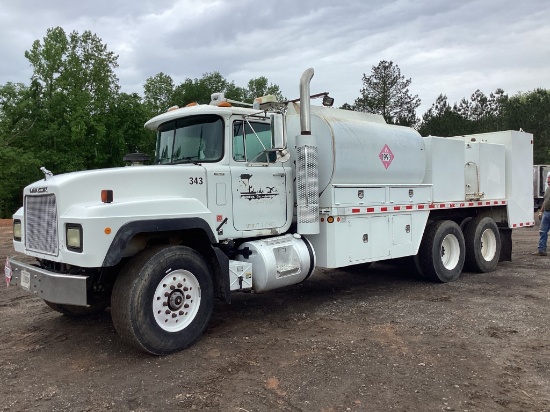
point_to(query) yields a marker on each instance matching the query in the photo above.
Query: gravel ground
(373, 339)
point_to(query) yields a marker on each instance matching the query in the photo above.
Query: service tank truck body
(253, 199)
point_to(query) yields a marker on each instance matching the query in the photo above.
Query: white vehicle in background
(539, 184)
(254, 198)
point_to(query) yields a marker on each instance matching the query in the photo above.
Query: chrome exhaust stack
(307, 170)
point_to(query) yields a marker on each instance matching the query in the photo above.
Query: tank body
(357, 148)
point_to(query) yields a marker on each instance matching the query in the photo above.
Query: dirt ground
(359, 340)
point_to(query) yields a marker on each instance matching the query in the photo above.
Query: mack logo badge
(39, 189)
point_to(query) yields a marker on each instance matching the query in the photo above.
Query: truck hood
(130, 183)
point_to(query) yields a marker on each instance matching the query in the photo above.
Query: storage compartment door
(366, 239)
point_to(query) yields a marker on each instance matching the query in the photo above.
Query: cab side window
(250, 142)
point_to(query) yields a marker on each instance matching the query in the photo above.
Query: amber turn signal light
(107, 196)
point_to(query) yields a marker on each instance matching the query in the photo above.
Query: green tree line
(386, 92)
(73, 116)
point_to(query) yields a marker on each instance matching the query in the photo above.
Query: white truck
(539, 184)
(253, 199)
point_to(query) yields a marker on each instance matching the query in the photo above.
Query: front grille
(41, 224)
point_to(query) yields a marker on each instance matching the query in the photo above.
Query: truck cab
(249, 192)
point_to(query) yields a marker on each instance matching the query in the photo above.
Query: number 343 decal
(195, 181)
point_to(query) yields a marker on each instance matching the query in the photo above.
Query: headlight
(17, 230)
(73, 237)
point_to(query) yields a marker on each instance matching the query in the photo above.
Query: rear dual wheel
(442, 252)
(445, 250)
(483, 244)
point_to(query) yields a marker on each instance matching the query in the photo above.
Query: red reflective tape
(471, 204)
(383, 209)
(480, 203)
(370, 209)
(431, 206)
(397, 208)
(521, 224)
(514, 225)
(355, 210)
(442, 205)
(452, 205)
(408, 207)
(487, 203)
(421, 206)
(495, 202)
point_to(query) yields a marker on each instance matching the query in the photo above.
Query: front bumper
(50, 286)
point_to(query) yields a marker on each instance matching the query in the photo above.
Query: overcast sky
(450, 47)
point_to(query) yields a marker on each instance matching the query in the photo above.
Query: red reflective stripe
(397, 208)
(421, 206)
(383, 209)
(370, 209)
(355, 210)
(408, 207)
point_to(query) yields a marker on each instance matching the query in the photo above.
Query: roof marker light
(107, 196)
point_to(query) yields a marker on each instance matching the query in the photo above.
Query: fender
(128, 230)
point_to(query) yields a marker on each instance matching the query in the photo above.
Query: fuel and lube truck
(253, 199)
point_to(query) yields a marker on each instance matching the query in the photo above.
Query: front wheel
(442, 252)
(162, 300)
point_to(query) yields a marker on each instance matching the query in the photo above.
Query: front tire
(442, 252)
(483, 244)
(162, 300)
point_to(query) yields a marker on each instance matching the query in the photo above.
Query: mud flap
(506, 244)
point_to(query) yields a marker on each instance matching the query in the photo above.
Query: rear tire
(162, 300)
(442, 251)
(483, 244)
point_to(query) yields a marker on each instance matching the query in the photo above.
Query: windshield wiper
(191, 159)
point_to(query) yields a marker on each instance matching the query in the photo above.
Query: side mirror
(278, 134)
(278, 131)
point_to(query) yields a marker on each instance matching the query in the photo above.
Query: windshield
(190, 139)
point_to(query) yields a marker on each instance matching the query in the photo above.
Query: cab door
(259, 183)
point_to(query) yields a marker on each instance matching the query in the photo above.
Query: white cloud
(444, 47)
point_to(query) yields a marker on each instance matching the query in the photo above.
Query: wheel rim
(177, 300)
(488, 245)
(450, 252)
